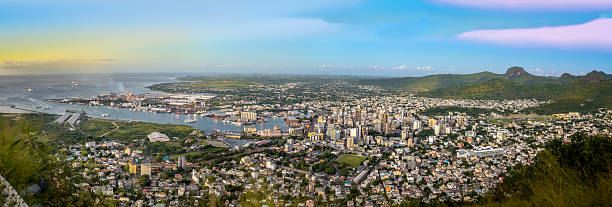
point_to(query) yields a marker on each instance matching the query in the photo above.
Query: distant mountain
(517, 74)
(497, 88)
(584, 93)
(431, 81)
(595, 76)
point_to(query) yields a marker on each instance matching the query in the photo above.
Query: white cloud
(540, 72)
(594, 34)
(401, 67)
(328, 66)
(424, 68)
(535, 4)
(377, 67)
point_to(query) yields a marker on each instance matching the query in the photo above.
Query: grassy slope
(26, 158)
(142, 129)
(573, 174)
(130, 130)
(499, 89)
(580, 96)
(97, 127)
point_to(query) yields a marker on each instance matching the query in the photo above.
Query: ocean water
(31, 91)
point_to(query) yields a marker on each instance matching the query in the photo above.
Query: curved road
(116, 127)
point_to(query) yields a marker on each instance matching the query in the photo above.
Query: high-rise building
(145, 169)
(404, 135)
(133, 168)
(360, 133)
(416, 125)
(432, 122)
(353, 132)
(350, 143)
(335, 134)
(182, 162)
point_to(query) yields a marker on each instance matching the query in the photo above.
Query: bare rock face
(515, 72)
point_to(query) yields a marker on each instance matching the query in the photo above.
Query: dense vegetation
(25, 161)
(499, 89)
(586, 94)
(573, 174)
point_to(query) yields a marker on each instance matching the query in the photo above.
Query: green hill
(585, 93)
(581, 96)
(573, 174)
(431, 81)
(498, 89)
(516, 74)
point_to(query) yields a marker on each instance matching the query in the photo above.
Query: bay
(31, 91)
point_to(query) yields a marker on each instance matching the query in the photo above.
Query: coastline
(10, 109)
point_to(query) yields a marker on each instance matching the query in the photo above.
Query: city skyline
(364, 38)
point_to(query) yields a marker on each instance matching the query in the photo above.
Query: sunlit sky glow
(348, 37)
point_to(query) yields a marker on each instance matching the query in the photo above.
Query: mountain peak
(566, 75)
(515, 71)
(594, 76)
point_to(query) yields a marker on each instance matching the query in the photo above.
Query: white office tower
(404, 135)
(416, 125)
(436, 129)
(353, 132)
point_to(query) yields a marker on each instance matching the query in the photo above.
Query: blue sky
(349, 37)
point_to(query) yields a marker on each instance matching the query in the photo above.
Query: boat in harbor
(105, 115)
(191, 120)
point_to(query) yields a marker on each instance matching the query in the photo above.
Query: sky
(339, 37)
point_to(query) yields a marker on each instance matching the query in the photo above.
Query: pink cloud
(535, 4)
(594, 34)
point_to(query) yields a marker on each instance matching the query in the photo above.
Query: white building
(158, 137)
